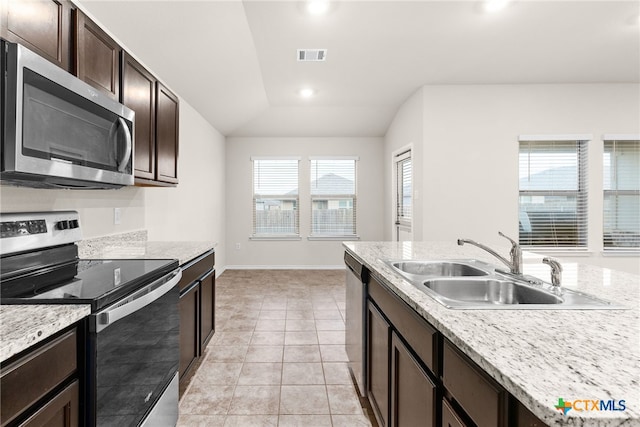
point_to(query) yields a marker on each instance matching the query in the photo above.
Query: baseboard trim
(285, 267)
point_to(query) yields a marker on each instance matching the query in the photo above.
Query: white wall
(194, 210)
(299, 253)
(469, 186)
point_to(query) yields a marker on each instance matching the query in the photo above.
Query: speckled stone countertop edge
(23, 326)
(424, 305)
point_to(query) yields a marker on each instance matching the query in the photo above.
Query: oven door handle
(137, 300)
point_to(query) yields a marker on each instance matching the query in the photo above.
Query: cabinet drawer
(449, 417)
(30, 378)
(195, 269)
(482, 399)
(420, 336)
(525, 418)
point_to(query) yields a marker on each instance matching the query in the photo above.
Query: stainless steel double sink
(473, 284)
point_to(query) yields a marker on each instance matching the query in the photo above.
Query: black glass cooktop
(95, 282)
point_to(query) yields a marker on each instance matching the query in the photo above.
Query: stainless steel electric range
(132, 342)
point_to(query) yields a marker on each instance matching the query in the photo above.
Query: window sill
(577, 252)
(275, 238)
(341, 238)
(621, 253)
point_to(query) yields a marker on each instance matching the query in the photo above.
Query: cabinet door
(189, 340)
(139, 94)
(96, 56)
(61, 411)
(413, 395)
(207, 307)
(167, 116)
(378, 340)
(43, 26)
(449, 417)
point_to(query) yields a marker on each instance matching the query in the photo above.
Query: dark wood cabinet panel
(449, 417)
(61, 411)
(189, 341)
(525, 418)
(139, 94)
(167, 117)
(42, 26)
(207, 305)
(30, 378)
(420, 336)
(413, 394)
(481, 398)
(378, 340)
(196, 268)
(96, 56)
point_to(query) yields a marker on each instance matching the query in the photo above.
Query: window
(553, 193)
(275, 197)
(403, 189)
(621, 194)
(333, 197)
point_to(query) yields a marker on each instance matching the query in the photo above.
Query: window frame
(295, 235)
(314, 235)
(581, 192)
(616, 139)
(404, 217)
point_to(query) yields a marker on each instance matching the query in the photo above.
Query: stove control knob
(74, 223)
(63, 225)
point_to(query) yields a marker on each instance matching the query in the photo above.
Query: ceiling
(235, 61)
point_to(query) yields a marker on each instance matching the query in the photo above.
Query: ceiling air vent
(312, 54)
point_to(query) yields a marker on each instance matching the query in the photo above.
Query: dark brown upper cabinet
(96, 56)
(167, 116)
(41, 26)
(139, 94)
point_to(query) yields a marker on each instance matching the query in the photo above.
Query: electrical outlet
(237, 246)
(117, 216)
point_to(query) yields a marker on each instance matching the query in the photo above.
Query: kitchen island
(537, 356)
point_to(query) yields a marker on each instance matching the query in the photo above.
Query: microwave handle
(127, 152)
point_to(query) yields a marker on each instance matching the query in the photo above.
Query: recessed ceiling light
(318, 7)
(495, 5)
(306, 92)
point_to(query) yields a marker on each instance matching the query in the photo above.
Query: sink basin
(476, 285)
(491, 291)
(438, 268)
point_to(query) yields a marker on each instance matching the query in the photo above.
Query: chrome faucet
(556, 271)
(515, 265)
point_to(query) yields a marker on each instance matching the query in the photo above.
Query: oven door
(59, 130)
(133, 357)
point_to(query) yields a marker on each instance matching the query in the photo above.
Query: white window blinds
(333, 197)
(275, 197)
(621, 194)
(404, 189)
(553, 193)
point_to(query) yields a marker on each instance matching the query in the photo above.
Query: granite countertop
(22, 326)
(538, 356)
(136, 245)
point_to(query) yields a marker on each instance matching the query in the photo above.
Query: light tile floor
(277, 357)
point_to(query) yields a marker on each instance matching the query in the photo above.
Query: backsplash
(124, 242)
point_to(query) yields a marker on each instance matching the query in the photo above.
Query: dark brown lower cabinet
(207, 305)
(189, 341)
(41, 387)
(197, 313)
(413, 394)
(61, 411)
(378, 340)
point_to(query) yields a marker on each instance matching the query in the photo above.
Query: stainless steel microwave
(57, 131)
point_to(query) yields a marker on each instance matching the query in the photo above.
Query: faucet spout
(515, 264)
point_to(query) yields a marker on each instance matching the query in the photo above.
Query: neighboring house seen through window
(275, 198)
(333, 197)
(553, 193)
(621, 166)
